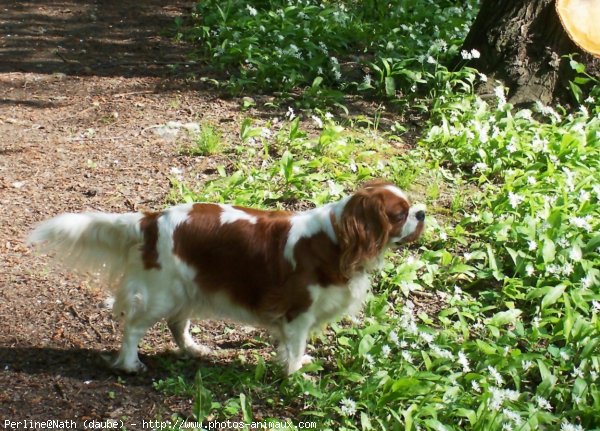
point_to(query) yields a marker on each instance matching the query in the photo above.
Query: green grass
(491, 322)
(207, 141)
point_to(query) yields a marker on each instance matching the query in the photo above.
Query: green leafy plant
(491, 322)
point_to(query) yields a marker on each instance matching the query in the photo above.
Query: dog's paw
(307, 359)
(197, 351)
(127, 367)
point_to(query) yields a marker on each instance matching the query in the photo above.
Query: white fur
(308, 223)
(93, 242)
(230, 214)
(411, 223)
(397, 192)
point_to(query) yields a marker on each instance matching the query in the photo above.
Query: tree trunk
(522, 43)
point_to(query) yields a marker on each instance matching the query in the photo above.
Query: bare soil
(83, 86)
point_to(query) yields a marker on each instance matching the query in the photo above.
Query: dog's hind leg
(180, 328)
(139, 309)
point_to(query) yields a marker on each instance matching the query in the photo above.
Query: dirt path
(82, 86)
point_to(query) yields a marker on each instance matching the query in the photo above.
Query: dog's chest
(332, 302)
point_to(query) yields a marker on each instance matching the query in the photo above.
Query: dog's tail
(96, 242)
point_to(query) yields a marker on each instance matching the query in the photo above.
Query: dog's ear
(363, 230)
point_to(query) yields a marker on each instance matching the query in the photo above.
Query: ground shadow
(102, 38)
(91, 365)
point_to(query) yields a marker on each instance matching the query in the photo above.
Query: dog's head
(377, 216)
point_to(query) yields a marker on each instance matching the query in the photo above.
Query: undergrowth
(511, 256)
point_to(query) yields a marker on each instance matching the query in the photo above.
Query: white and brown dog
(288, 272)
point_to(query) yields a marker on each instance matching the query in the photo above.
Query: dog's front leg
(293, 343)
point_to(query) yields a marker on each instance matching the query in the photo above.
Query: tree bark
(522, 44)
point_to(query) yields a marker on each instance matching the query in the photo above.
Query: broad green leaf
(552, 296)
(366, 344)
(365, 421)
(548, 251)
(505, 317)
(390, 86)
(486, 348)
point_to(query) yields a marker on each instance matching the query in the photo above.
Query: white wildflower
(464, 362)
(596, 306)
(483, 77)
(499, 92)
(348, 407)
(553, 269)
(393, 337)
(564, 355)
(526, 365)
(532, 245)
(466, 55)
(581, 222)
(525, 114)
(385, 351)
(512, 416)
(480, 167)
(290, 113)
(498, 397)
(407, 356)
(318, 122)
(507, 426)
(529, 270)
(567, 269)
(266, 133)
(577, 372)
(177, 173)
(496, 375)
(547, 110)
(251, 10)
(515, 199)
(587, 281)
(475, 386)
(575, 254)
(441, 353)
(427, 338)
(531, 180)
(543, 403)
(567, 426)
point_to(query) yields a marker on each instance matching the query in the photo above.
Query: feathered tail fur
(96, 242)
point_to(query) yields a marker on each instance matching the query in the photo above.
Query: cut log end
(580, 20)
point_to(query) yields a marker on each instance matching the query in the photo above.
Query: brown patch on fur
(415, 235)
(244, 260)
(149, 228)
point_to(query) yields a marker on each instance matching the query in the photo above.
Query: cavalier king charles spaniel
(288, 272)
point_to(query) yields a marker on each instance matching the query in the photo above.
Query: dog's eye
(398, 217)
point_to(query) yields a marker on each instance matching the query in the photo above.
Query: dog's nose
(420, 215)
